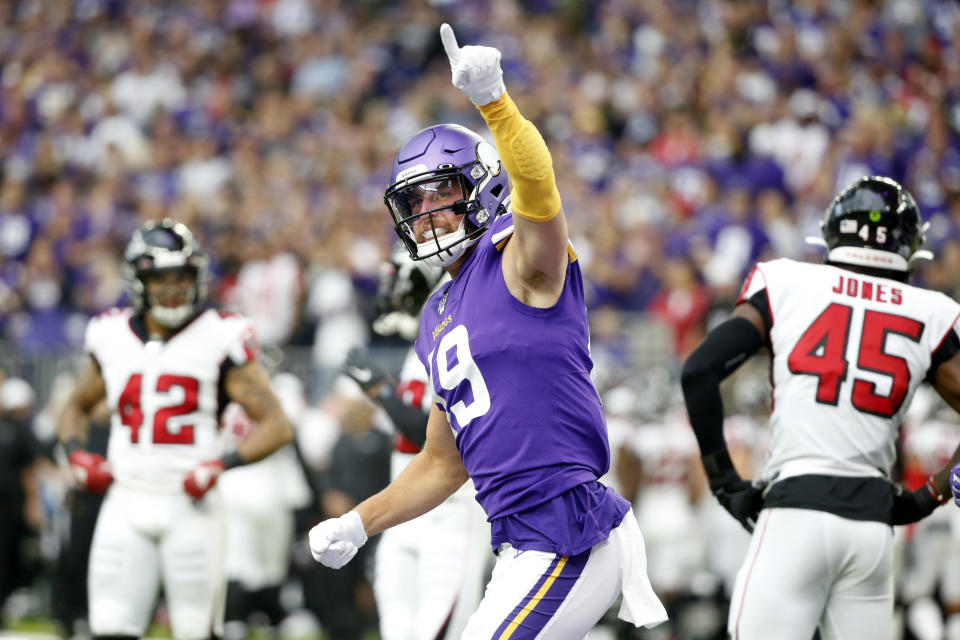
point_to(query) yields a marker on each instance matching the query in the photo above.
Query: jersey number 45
(821, 352)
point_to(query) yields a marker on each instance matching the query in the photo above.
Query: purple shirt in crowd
(515, 383)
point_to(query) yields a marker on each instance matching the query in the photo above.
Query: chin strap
(452, 247)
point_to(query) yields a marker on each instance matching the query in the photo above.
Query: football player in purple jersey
(506, 345)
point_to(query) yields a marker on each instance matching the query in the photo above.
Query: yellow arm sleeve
(526, 159)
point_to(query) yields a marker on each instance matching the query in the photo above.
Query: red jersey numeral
(820, 352)
(876, 327)
(822, 348)
(131, 413)
(191, 389)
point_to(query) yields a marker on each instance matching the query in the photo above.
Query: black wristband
(231, 460)
(384, 393)
(931, 488)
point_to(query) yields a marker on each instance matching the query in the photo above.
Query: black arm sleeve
(947, 349)
(723, 350)
(410, 421)
(761, 303)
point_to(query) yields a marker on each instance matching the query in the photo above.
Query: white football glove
(476, 70)
(335, 541)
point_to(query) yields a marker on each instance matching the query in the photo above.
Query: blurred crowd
(690, 139)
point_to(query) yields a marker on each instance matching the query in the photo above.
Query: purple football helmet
(446, 159)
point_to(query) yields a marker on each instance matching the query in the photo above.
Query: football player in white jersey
(166, 368)
(260, 501)
(850, 341)
(429, 572)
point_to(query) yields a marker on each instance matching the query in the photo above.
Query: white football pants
(806, 569)
(534, 595)
(142, 538)
(429, 571)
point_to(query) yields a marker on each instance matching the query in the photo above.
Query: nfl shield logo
(443, 304)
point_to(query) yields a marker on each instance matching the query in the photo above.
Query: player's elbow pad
(527, 160)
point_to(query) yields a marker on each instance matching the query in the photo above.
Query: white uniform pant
(538, 595)
(429, 571)
(934, 558)
(142, 538)
(259, 545)
(806, 569)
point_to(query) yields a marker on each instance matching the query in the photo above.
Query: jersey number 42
(131, 413)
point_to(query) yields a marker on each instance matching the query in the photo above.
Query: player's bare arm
(749, 313)
(911, 506)
(430, 478)
(947, 383)
(535, 258)
(89, 390)
(532, 268)
(249, 387)
(90, 470)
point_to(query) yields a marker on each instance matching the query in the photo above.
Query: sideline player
(260, 500)
(506, 345)
(428, 575)
(166, 368)
(850, 342)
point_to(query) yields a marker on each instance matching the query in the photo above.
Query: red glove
(202, 478)
(91, 470)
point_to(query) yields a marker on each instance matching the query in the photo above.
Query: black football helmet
(403, 289)
(875, 223)
(160, 246)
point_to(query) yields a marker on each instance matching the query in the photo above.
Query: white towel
(640, 605)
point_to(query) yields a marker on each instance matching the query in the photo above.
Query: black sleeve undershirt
(410, 421)
(760, 302)
(724, 349)
(947, 349)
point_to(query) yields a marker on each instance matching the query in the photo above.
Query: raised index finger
(449, 42)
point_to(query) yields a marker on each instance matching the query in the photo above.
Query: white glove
(335, 541)
(476, 70)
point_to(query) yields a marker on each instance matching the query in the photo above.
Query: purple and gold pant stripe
(542, 601)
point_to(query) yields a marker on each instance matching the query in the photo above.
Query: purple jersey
(515, 384)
